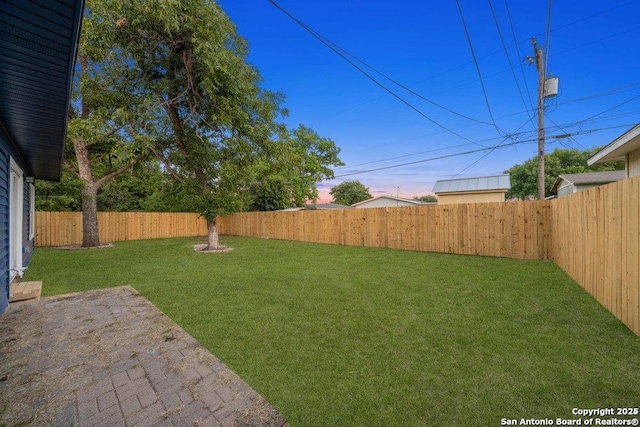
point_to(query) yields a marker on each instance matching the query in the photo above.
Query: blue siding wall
(27, 245)
(4, 223)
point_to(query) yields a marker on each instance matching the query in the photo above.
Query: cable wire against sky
(506, 51)
(520, 55)
(478, 150)
(548, 39)
(333, 48)
(484, 156)
(475, 61)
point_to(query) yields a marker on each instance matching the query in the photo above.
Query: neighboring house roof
(38, 43)
(619, 148)
(392, 198)
(589, 178)
(322, 206)
(483, 183)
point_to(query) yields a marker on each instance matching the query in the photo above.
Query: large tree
(524, 182)
(215, 124)
(108, 116)
(349, 192)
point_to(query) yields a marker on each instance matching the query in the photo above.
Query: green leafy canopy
(524, 182)
(350, 192)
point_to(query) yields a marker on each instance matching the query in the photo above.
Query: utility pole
(539, 58)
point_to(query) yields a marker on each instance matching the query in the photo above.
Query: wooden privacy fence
(65, 228)
(596, 240)
(593, 235)
(513, 230)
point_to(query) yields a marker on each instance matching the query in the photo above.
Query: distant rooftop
(483, 183)
(399, 199)
(589, 178)
(322, 206)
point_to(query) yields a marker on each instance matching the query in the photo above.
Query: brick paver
(109, 357)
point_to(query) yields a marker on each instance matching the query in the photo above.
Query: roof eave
(619, 148)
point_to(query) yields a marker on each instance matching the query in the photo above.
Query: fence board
(65, 228)
(596, 240)
(491, 229)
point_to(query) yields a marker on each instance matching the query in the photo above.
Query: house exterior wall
(4, 223)
(633, 163)
(479, 197)
(383, 203)
(28, 242)
(565, 189)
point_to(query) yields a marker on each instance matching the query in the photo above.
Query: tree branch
(166, 164)
(115, 173)
(69, 166)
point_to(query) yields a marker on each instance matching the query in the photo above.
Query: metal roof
(483, 183)
(38, 41)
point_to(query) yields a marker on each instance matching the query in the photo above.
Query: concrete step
(24, 292)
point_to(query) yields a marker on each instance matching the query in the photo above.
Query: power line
(563, 130)
(613, 108)
(504, 47)
(493, 149)
(586, 18)
(598, 40)
(477, 151)
(333, 48)
(525, 134)
(517, 45)
(599, 94)
(546, 61)
(475, 61)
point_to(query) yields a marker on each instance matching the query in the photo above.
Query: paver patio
(110, 357)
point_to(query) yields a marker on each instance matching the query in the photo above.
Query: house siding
(28, 245)
(633, 163)
(486, 197)
(4, 223)
(565, 189)
(384, 202)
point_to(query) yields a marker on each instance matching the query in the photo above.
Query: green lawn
(336, 335)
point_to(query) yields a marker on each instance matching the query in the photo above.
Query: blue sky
(592, 47)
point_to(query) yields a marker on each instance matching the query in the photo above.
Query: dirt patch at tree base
(218, 250)
(79, 247)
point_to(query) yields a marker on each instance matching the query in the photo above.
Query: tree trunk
(91, 237)
(90, 234)
(212, 233)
